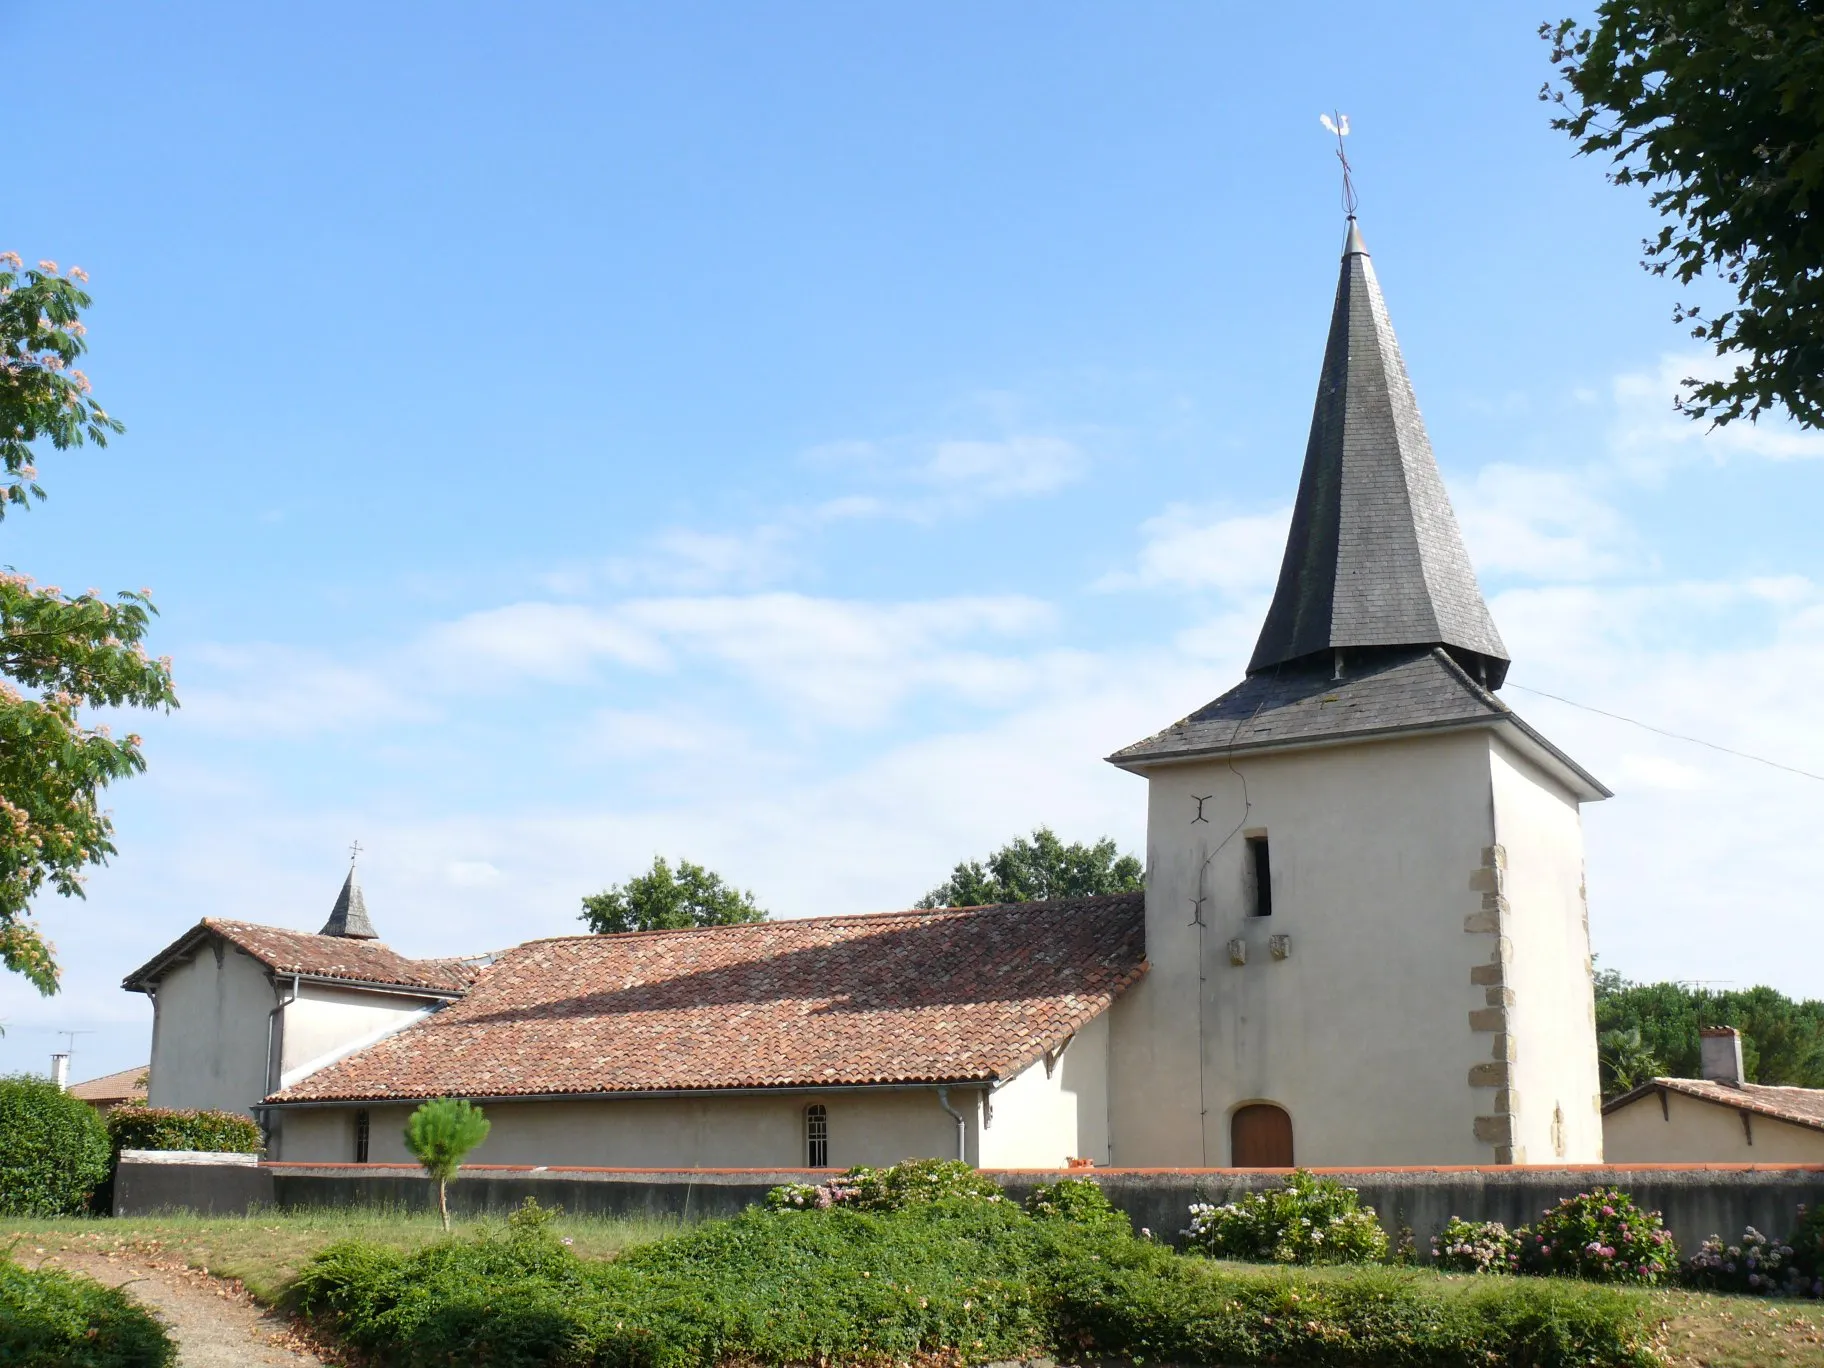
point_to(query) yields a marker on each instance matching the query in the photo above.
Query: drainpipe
(962, 1130)
(273, 1069)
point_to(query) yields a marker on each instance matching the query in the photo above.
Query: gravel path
(215, 1323)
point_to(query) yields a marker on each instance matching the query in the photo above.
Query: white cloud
(266, 690)
(1650, 435)
(545, 641)
(1015, 467)
(921, 479)
(1191, 548)
(1542, 524)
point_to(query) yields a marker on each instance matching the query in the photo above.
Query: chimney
(60, 1071)
(1722, 1055)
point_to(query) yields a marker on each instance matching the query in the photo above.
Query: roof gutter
(775, 1090)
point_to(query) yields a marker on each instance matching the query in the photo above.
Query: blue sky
(806, 437)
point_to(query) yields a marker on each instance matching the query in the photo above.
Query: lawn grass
(265, 1251)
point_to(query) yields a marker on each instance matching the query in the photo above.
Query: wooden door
(1260, 1136)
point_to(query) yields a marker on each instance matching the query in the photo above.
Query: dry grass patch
(1705, 1330)
(265, 1251)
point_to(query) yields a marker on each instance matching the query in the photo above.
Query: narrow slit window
(1262, 866)
(816, 1136)
(360, 1137)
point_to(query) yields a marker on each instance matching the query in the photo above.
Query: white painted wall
(209, 1033)
(1043, 1117)
(1363, 1033)
(667, 1132)
(1692, 1131)
(327, 1022)
(1553, 1013)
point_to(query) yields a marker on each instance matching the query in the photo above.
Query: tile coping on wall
(1492, 1169)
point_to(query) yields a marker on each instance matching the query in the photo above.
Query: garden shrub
(1807, 1241)
(960, 1281)
(1476, 1247)
(1755, 1265)
(53, 1319)
(53, 1149)
(891, 1188)
(166, 1128)
(1309, 1220)
(1600, 1235)
(1080, 1200)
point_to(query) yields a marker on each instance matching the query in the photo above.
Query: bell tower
(1365, 908)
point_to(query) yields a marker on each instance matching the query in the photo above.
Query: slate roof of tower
(945, 996)
(322, 957)
(1374, 556)
(1797, 1106)
(349, 916)
(1392, 692)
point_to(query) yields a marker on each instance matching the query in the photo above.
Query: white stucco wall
(668, 1132)
(1041, 1118)
(1692, 1131)
(1363, 1033)
(209, 1034)
(327, 1022)
(1553, 1008)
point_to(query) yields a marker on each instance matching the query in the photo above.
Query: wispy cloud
(1543, 524)
(918, 479)
(1651, 436)
(1206, 549)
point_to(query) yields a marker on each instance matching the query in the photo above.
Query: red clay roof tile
(330, 957)
(950, 995)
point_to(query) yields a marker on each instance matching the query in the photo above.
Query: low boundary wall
(1697, 1200)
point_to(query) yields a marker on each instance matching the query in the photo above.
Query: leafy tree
(53, 1149)
(58, 653)
(660, 900)
(1646, 1029)
(1029, 870)
(440, 1135)
(1712, 106)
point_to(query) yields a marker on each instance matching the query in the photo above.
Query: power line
(1676, 736)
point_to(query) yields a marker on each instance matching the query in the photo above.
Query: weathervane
(354, 852)
(1338, 125)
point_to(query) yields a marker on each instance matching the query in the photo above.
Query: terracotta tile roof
(330, 957)
(127, 1085)
(951, 995)
(1800, 1106)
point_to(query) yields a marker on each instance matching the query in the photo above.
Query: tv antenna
(1337, 125)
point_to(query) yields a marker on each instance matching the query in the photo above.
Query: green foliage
(1080, 1200)
(1476, 1247)
(1782, 1039)
(1807, 1241)
(1307, 1220)
(965, 1282)
(1712, 106)
(660, 900)
(893, 1188)
(53, 1319)
(53, 1149)
(1600, 1236)
(165, 1128)
(1043, 867)
(58, 653)
(439, 1135)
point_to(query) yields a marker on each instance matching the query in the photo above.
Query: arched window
(1260, 1136)
(816, 1136)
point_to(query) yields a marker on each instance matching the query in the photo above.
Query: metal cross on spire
(1338, 126)
(354, 852)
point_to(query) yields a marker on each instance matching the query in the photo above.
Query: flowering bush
(890, 1189)
(1755, 1265)
(1600, 1235)
(1477, 1247)
(1076, 1199)
(1807, 1241)
(1310, 1220)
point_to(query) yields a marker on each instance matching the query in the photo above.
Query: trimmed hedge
(166, 1128)
(53, 1319)
(53, 1148)
(964, 1281)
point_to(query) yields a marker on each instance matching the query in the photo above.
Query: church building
(1363, 941)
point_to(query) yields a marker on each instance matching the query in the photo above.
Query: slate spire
(1374, 557)
(349, 916)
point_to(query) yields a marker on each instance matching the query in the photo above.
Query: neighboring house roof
(129, 1085)
(944, 996)
(1798, 1106)
(1373, 556)
(315, 957)
(1400, 691)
